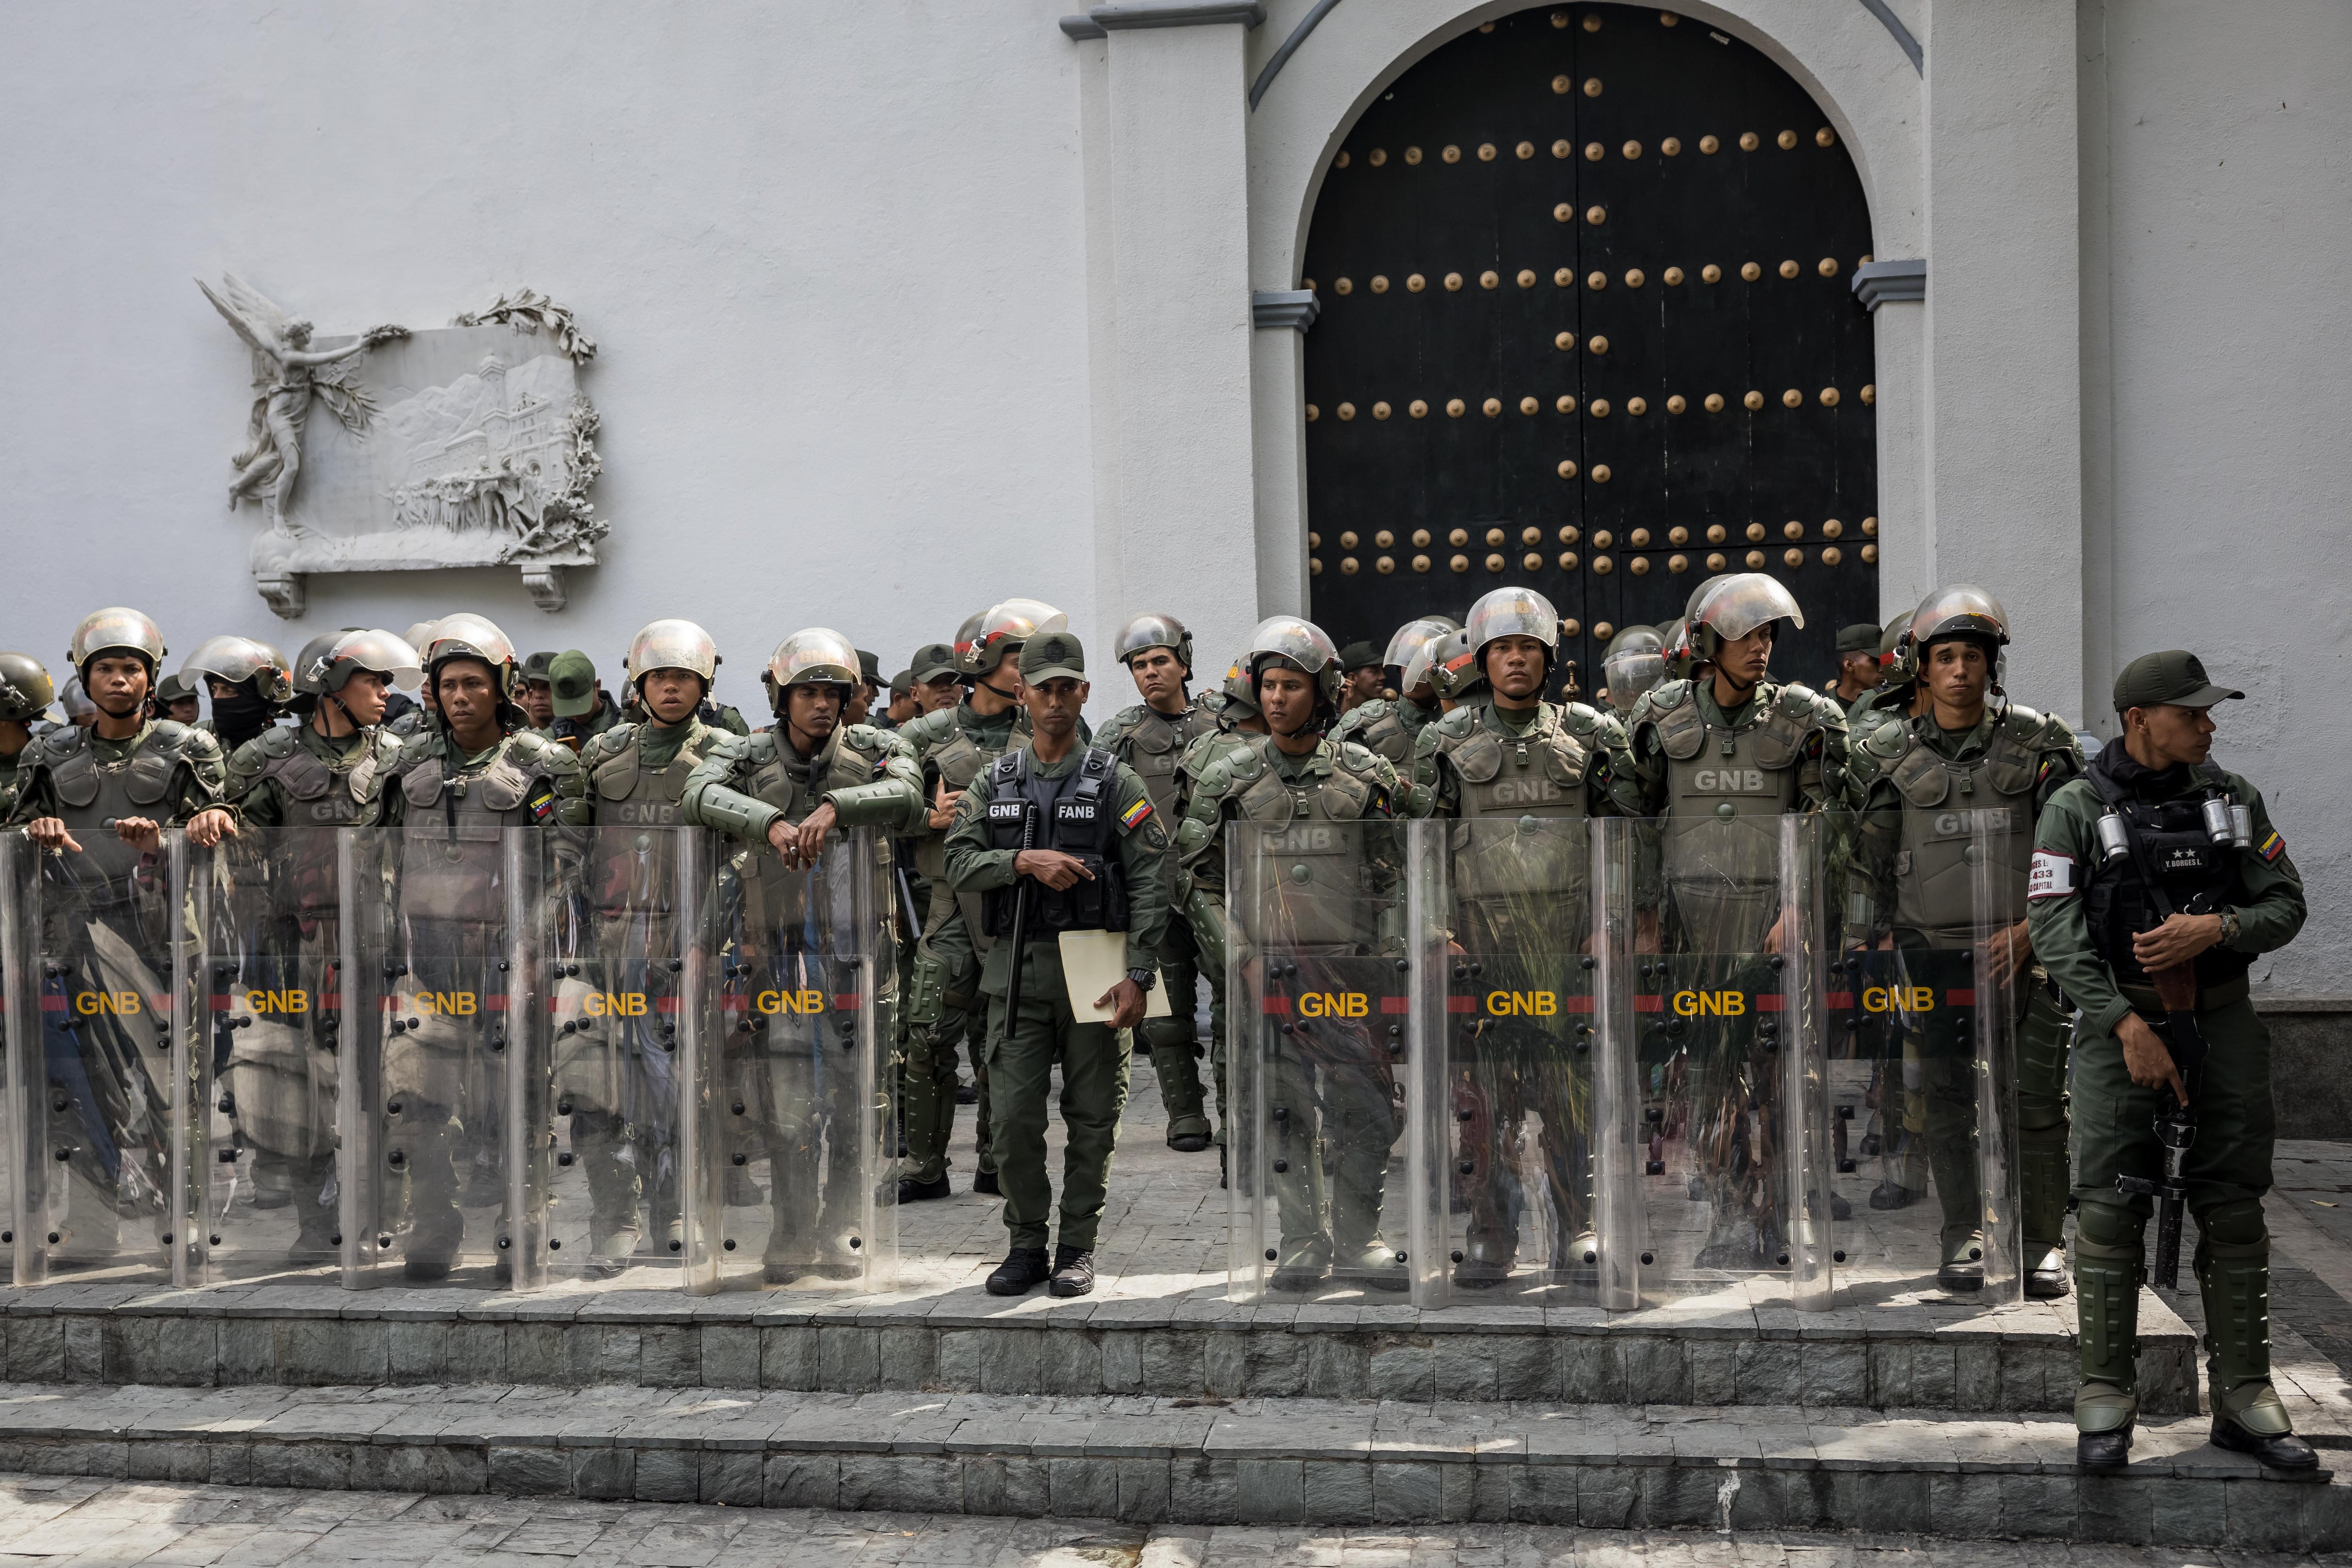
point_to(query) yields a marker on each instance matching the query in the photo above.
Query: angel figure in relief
(285, 374)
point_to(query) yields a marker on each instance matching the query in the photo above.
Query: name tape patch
(2053, 876)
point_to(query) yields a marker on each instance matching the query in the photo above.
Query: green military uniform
(1518, 784)
(743, 788)
(1387, 727)
(445, 1074)
(954, 746)
(2083, 910)
(1153, 744)
(1086, 803)
(1923, 789)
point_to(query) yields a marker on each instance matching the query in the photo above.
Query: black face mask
(239, 717)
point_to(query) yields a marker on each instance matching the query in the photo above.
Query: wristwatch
(2229, 926)
(1145, 979)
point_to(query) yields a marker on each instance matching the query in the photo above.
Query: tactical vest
(771, 893)
(1727, 790)
(452, 865)
(1392, 730)
(1944, 802)
(627, 793)
(311, 782)
(959, 759)
(1313, 868)
(1154, 745)
(91, 794)
(1529, 780)
(2195, 874)
(1073, 813)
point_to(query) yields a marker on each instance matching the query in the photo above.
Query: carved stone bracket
(287, 595)
(545, 585)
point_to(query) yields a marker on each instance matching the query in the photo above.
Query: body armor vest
(959, 760)
(1944, 802)
(1727, 789)
(2195, 874)
(323, 794)
(629, 794)
(1530, 780)
(1073, 813)
(91, 794)
(1315, 869)
(1392, 731)
(795, 789)
(452, 865)
(1154, 745)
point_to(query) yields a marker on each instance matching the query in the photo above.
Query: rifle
(1020, 937)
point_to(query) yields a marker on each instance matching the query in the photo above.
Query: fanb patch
(2272, 847)
(1133, 818)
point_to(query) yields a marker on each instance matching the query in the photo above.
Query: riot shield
(794, 1131)
(1924, 1002)
(444, 1056)
(262, 1193)
(99, 1003)
(1503, 1090)
(1320, 972)
(1710, 1028)
(622, 910)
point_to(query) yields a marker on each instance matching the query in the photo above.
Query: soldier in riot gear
(1386, 725)
(477, 769)
(1925, 784)
(2156, 880)
(282, 919)
(942, 998)
(1151, 738)
(1079, 827)
(26, 693)
(1635, 663)
(784, 790)
(1719, 759)
(97, 798)
(1520, 905)
(1455, 673)
(248, 682)
(1289, 777)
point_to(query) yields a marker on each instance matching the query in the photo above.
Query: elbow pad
(735, 814)
(882, 803)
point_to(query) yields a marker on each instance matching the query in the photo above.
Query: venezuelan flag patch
(2272, 847)
(1133, 816)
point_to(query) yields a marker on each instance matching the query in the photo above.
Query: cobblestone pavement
(63, 1522)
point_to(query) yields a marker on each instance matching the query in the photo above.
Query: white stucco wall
(834, 253)
(2217, 315)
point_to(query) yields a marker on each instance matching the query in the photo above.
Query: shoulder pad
(278, 741)
(1802, 701)
(862, 737)
(387, 748)
(417, 747)
(1889, 739)
(1581, 719)
(195, 745)
(248, 761)
(1463, 720)
(930, 729)
(53, 745)
(1665, 697)
(1118, 723)
(560, 761)
(608, 743)
(2034, 730)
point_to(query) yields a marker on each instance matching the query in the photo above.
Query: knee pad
(2234, 1227)
(1169, 1034)
(2109, 1228)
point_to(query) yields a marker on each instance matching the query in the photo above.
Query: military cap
(1358, 656)
(1050, 655)
(172, 688)
(2175, 675)
(1860, 638)
(902, 683)
(536, 667)
(869, 665)
(933, 660)
(571, 676)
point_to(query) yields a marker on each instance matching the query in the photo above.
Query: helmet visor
(1636, 661)
(1744, 601)
(1513, 612)
(116, 627)
(1303, 643)
(1963, 609)
(818, 655)
(1148, 631)
(236, 659)
(377, 651)
(1006, 627)
(471, 637)
(673, 645)
(1411, 639)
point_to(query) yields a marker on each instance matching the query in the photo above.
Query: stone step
(1147, 1461)
(1899, 1354)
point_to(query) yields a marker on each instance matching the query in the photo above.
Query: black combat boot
(1023, 1270)
(1074, 1272)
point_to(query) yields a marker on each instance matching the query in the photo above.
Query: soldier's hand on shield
(1055, 870)
(1783, 933)
(2006, 952)
(943, 807)
(209, 826)
(142, 831)
(2180, 938)
(783, 838)
(2145, 1058)
(813, 828)
(1126, 998)
(49, 833)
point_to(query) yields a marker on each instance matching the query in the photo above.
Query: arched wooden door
(1587, 325)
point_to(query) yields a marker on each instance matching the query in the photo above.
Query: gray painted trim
(1894, 23)
(1289, 47)
(1876, 282)
(1083, 28)
(1119, 14)
(1294, 308)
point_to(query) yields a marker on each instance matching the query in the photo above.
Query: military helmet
(671, 644)
(966, 635)
(1422, 664)
(469, 636)
(309, 664)
(1150, 631)
(1454, 670)
(26, 689)
(1897, 656)
(1635, 662)
(1674, 648)
(236, 660)
(75, 700)
(818, 655)
(1239, 689)
(1735, 606)
(1960, 610)
(116, 627)
(1511, 612)
(1300, 644)
(1411, 639)
(349, 652)
(418, 636)
(1003, 629)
